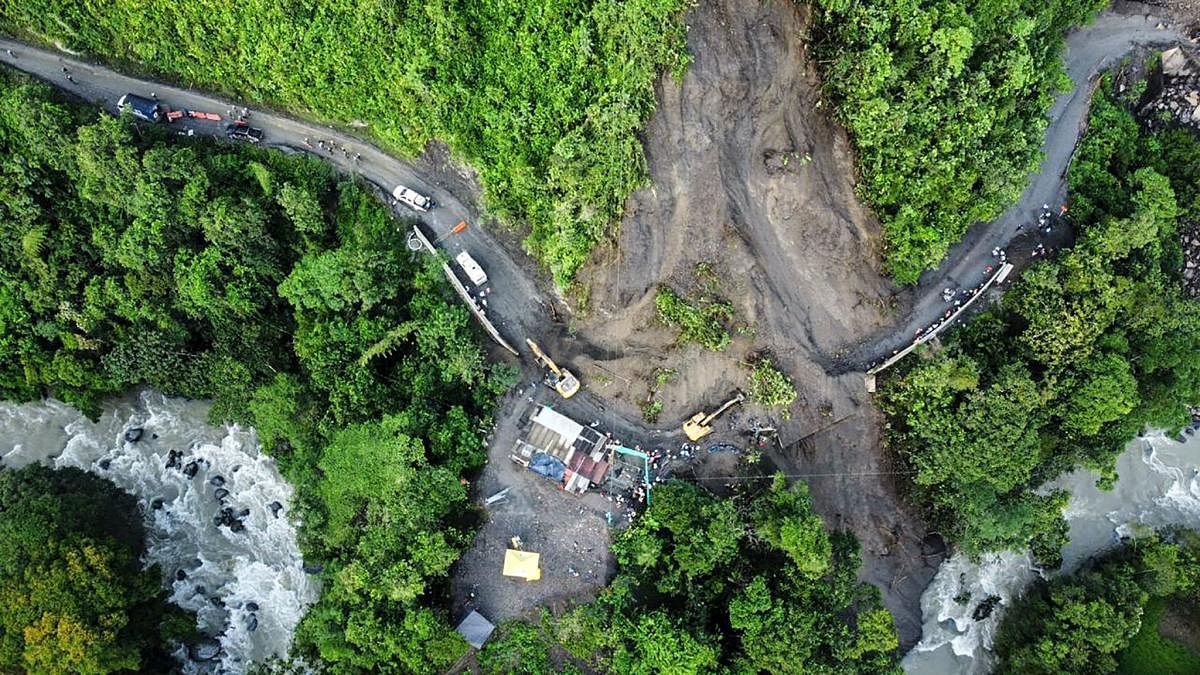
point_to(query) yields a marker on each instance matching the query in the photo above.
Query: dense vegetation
(73, 595)
(702, 321)
(1081, 624)
(945, 102)
(543, 99)
(769, 386)
(287, 296)
(1084, 351)
(751, 584)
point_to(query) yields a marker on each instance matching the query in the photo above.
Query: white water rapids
(1158, 485)
(235, 581)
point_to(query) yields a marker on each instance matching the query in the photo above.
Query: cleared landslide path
(1089, 51)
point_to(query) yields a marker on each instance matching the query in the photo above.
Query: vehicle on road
(561, 379)
(142, 108)
(474, 272)
(700, 425)
(243, 132)
(412, 199)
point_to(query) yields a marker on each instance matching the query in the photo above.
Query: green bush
(946, 106)
(770, 387)
(702, 323)
(543, 99)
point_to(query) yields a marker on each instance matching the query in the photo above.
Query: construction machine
(561, 379)
(700, 425)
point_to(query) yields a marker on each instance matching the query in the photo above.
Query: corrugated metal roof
(562, 425)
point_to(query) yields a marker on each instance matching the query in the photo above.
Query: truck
(474, 272)
(142, 108)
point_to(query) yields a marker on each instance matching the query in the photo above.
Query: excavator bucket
(700, 425)
(694, 430)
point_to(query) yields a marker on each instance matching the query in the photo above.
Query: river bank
(246, 582)
(1158, 486)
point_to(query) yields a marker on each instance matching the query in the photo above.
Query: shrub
(702, 323)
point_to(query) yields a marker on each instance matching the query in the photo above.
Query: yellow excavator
(561, 379)
(701, 423)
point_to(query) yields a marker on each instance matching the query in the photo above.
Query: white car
(474, 272)
(412, 199)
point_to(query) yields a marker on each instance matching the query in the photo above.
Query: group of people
(330, 147)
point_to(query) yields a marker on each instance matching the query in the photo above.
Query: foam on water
(1158, 485)
(220, 574)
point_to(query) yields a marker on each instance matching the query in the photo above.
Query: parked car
(474, 272)
(412, 199)
(242, 132)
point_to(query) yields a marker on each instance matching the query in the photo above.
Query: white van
(474, 272)
(412, 199)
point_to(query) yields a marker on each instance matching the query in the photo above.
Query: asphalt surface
(1089, 51)
(515, 304)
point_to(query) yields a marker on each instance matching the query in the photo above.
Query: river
(246, 583)
(1158, 485)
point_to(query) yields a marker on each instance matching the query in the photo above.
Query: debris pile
(1191, 256)
(1177, 102)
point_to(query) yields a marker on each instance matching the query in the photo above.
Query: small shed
(475, 629)
(522, 564)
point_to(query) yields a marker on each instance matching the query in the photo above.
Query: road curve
(1089, 50)
(516, 306)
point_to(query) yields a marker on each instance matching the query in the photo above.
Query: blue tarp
(545, 465)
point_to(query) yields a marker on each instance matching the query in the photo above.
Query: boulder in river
(174, 459)
(221, 494)
(206, 650)
(252, 606)
(217, 480)
(252, 623)
(134, 434)
(243, 513)
(275, 507)
(156, 503)
(236, 526)
(104, 464)
(180, 574)
(192, 468)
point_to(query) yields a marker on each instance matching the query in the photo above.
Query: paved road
(516, 305)
(1089, 51)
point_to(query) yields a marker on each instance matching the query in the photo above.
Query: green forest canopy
(1083, 352)
(544, 99)
(945, 102)
(74, 598)
(286, 295)
(752, 584)
(1086, 622)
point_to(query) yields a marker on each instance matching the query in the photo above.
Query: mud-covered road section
(1089, 51)
(750, 178)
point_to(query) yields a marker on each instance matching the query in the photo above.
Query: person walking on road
(10, 53)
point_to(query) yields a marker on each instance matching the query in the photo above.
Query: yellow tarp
(522, 564)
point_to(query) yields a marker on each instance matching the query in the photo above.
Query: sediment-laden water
(216, 513)
(1158, 485)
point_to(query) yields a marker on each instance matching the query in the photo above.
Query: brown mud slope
(750, 177)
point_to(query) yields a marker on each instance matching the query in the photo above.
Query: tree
(75, 597)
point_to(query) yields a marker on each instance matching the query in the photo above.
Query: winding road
(1089, 51)
(516, 305)
(521, 306)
